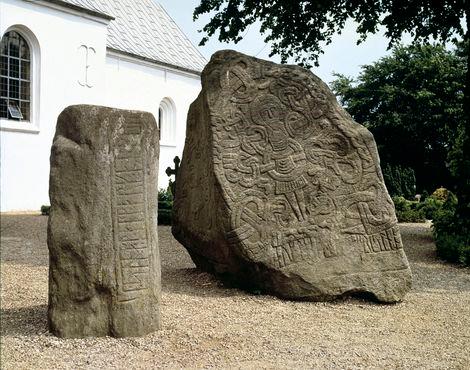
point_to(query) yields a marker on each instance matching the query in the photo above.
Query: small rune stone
(104, 273)
(281, 192)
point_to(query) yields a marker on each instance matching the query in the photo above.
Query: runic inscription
(387, 240)
(301, 248)
(130, 214)
(280, 189)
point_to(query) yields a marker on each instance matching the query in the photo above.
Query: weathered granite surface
(280, 191)
(104, 274)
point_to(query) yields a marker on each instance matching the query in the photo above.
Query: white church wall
(25, 147)
(134, 84)
(113, 80)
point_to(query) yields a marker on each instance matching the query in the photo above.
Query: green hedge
(45, 210)
(165, 216)
(165, 207)
(419, 211)
(400, 181)
(408, 210)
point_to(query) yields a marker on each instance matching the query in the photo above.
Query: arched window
(167, 122)
(15, 75)
(160, 122)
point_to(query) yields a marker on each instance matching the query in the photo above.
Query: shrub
(165, 195)
(45, 210)
(401, 204)
(414, 211)
(424, 195)
(407, 210)
(164, 216)
(435, 202)
(410, 216)
(430, 206)
(453, 248)
(165, 206)
(441, 194)
(451, 234)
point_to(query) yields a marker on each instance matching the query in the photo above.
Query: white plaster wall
(24, 174)
(142, 86)
(117, 82)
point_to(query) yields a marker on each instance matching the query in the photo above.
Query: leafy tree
(412, 101)
(299, 28)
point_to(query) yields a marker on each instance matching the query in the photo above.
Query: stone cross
(170, 171)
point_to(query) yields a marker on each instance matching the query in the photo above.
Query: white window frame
(168, 131)
(31, 126)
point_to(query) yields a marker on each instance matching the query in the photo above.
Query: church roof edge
(80, 8)
(143, 29)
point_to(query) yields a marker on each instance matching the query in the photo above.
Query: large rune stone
(104, 274)
(280, 191)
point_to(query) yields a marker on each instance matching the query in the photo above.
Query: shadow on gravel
(194, 282)
(24, 320)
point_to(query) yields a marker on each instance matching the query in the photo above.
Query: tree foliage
(412, 101)
(300, 28)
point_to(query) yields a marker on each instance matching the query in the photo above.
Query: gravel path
(208, 325)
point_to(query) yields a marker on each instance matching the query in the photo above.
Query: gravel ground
(208, 325)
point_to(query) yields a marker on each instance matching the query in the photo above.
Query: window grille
(15, 77)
